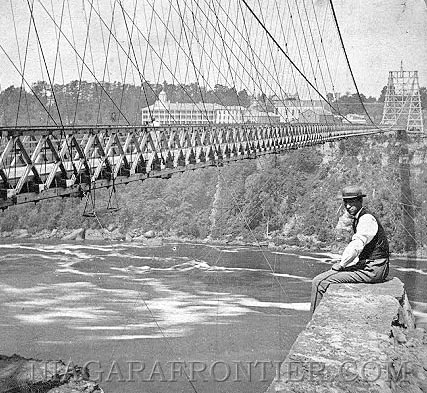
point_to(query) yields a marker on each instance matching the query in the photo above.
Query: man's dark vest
(378, 247)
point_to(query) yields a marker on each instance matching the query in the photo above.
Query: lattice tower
(402, 106)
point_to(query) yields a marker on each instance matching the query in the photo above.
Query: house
(291, 108)
(316, 115)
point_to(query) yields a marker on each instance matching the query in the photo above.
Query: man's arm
(366, 229)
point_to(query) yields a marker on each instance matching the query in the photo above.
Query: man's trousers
(368, 271)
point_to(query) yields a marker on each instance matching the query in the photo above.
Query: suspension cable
(44, 61)
(286, 55)
(348, 61)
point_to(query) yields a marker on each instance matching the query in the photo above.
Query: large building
(164, 112)
(293, 109)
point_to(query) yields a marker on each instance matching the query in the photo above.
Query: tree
(381, 98)
(244, 98)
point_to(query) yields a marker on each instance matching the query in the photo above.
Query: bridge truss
(48, 162)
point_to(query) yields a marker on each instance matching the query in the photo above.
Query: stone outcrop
(149, 234)
(361, 338)
(78, 234)
(18, 374)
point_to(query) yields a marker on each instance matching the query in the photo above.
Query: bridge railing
(46, 162)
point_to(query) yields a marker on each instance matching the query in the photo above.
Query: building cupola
(163, 97)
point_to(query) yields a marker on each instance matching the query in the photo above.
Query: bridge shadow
(406, 197)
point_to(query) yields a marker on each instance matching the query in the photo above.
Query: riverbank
(151, 238)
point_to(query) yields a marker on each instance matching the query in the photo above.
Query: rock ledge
(361, 338)
(18, 374)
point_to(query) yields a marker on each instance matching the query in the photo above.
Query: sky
(378, 35)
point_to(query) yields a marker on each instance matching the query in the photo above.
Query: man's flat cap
(352, 192)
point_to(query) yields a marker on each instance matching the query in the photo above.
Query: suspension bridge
(85, 73)
(83, 107)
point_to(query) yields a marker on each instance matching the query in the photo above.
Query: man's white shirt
(366, 229)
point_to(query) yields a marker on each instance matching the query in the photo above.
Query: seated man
(366, 257)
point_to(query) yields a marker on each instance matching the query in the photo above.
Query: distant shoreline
(105, 236)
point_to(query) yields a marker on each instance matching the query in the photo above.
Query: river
(176, 318)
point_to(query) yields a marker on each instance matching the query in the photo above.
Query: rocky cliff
(18, 374)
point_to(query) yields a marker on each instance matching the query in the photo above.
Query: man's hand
(337, 267)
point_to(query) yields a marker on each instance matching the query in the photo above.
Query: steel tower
(402, 106)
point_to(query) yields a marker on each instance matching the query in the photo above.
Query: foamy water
(305, 279)
(85, 305)
(406, 269)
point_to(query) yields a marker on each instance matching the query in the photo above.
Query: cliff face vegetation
(289, 199)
